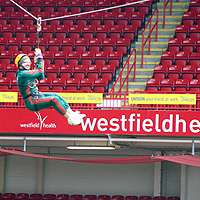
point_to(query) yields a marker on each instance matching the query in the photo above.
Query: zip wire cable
(83, 13)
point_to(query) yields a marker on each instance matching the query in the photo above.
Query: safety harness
(35, 94)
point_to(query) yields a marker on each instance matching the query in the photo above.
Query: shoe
(76, 118)
(81, 115)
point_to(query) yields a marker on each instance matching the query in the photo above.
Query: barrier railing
(129, 69)
(164, 12)
(149, 23)
(121, 102)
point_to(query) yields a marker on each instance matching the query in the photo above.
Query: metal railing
(129, 69)
(149, 23)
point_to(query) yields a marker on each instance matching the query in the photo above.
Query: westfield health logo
(39, 123)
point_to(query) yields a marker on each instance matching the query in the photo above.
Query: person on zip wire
(35, 100)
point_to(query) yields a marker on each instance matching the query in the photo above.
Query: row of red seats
(95, 18)
(177, 72)
(186, 44)
(154, 84)
(67, 71)
(75, 5)
(73, 57)
(70, 31)
(68, 44)
(184, 31)
(59, 84)
(26, 196)
(180, 58)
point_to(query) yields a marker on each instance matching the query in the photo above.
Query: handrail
(150, 32)
(128, 73)
(165, 5)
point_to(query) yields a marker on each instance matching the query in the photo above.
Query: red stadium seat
(52, 71)
(173, 198)
(104, 197)
(123, 18)
(116, 31)
(89, 31)
(10, 70)
(15, 18)
(194, 58)
(86, 84)
(49, 197)
(137, 19)
(108, 44)
(74, 57)
(102, 31)
(73, 84)
(174, 71)
(130, 32)
(117, 197)
(90, 197)
(94, 71)
(145, 198)
(57, 84)
(80, 71)
(62, 197)
(8, 31)
(102, 83)
(153, 84)
(44, 84)
(36, 196)
(194, 31)
(109, 18)
(95, 44)
(14, 44)
(87, 58)
(188, 45)
(160, 71)
(167, 85)
(159, 198)
(8, 196)
(181, 85)
(101, 57)
(188, 72)
(188, 18)
(69, 20)
(123, 45)
(60, 57)
(76, 197)
(131, 198)
(96, 18)
(194, 85)
(175, 44)
(66, 71)
(75, 31)
(181, 58)
(5, 84)
(181, 31)
(22, 196)
(6, 57)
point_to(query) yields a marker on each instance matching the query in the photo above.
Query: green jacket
(26, 79)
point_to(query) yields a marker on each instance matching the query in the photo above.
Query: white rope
(94, 11)
(24, 10)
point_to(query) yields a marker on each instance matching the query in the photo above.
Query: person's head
(23, 61)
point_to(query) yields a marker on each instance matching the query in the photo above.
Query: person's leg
(59, 104)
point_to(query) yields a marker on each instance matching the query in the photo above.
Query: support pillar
(2, 173)
(40, 176)
(157, 177)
